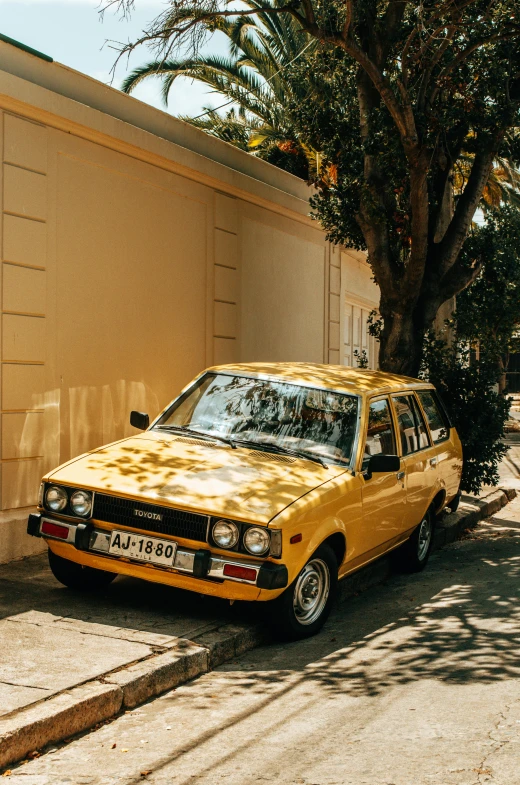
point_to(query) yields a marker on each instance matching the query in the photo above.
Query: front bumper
(201, 564)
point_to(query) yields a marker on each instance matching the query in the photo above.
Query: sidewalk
(510, 466)
(70, 661)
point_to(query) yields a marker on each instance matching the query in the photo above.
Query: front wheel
(301, 611)
(414, 554)
(76, 576)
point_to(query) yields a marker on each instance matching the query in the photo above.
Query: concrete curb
(57, 718)
(158, 674)
(80, 708)
(76, 710)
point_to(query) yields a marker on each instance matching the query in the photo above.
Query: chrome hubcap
(425, 535)
(311, 591)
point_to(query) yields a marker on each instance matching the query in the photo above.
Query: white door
(357, 342)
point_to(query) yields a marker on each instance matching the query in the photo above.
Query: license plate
(142, 548)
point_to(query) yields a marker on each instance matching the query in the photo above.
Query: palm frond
(255, 77)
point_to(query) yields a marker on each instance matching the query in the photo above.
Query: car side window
(380, 434)
(412, 427)
(437, 421)
(422, 430)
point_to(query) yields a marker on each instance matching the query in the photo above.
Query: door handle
(434, 461)
(400, 475)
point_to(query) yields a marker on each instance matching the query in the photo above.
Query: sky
(72, 32)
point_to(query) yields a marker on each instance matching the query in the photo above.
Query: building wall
(129, 264)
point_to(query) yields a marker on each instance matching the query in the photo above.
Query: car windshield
(268, 413)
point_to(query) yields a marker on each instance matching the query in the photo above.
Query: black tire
(454, 504)
(76, 576)
(283, 615)
(414, 554)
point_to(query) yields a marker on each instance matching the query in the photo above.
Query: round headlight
(56, 498)
(225, 534)
(256, 541)
(81, 503)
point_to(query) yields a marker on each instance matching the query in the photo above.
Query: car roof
(359, 381)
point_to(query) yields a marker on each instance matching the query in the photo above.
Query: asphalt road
(414, 682)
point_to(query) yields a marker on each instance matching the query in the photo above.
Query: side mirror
(139, 420)
(382, 463)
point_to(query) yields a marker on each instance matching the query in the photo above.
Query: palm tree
(258, 83)
(502, 187)
(256, 80)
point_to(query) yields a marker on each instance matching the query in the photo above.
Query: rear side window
(380, 434)
(412, 428)
(437, 420)
(422, 431)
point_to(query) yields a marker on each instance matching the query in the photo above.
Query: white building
(137, 250)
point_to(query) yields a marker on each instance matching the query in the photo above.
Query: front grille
(177, 523)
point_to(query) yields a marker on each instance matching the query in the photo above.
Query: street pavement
(414, 682)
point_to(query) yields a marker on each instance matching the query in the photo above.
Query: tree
(487, 317)
(422, 85)
(256, 79)
(488, 312)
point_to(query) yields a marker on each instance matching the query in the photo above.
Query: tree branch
(457, 230)
(441, 49)
(465, 54)
(309, 11)
(348, 19)
(457, 279)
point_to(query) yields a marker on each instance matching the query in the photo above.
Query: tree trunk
(503, 362)
(447, 308)
(401, 342)
(406, 323)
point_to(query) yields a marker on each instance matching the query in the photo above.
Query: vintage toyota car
(259, 482)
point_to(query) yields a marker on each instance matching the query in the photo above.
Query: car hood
(164, 468)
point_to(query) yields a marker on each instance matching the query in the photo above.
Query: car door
(448, 458)
(383, 494)
(419, 458)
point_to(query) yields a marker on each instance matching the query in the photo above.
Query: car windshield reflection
(269, 414)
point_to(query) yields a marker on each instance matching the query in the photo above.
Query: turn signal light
(235, 571)
(296, 538)
(55, 530)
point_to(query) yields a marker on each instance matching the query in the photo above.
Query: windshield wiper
(267, 446)
(194, 432)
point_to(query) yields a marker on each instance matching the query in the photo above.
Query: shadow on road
(458, 623)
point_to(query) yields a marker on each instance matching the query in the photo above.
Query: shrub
(478, 411)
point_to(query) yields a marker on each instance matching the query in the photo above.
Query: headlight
(81, 503)
(256, 541)
(56, 498)
(225, 534)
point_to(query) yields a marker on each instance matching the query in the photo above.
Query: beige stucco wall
(129, 263)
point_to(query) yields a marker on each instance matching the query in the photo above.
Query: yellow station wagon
(259, 482)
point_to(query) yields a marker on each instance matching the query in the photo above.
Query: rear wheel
(454, 504)
(414, 554)
(303, 608)
(76, 576)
